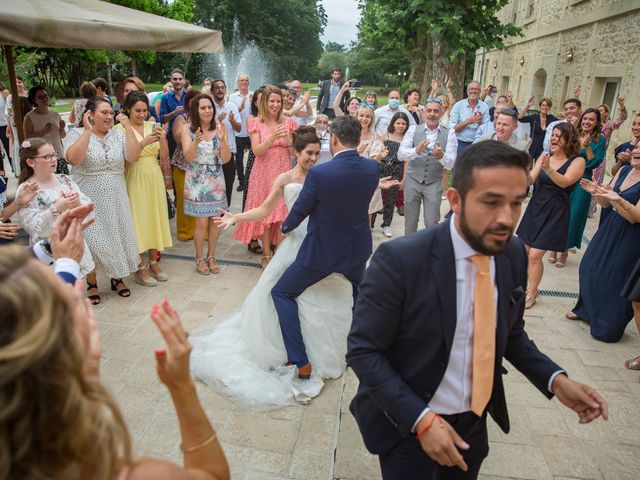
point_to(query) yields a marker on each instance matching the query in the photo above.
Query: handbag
(171, 209)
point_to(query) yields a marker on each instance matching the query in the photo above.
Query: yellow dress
(147, 196)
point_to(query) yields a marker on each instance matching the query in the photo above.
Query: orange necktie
(484, 335)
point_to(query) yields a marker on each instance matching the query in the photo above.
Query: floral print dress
(205, 192)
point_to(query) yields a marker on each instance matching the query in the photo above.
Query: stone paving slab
(321, 440)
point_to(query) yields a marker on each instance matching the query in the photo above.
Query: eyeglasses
(176, 79)
(42, 97)
(219, 87)
(436, 100)
(48, 157)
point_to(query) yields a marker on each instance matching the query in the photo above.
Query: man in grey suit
(428, 148)
(328, 93)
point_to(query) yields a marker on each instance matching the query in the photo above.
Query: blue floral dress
(205, 192)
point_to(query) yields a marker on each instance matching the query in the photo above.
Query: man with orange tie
(436, 313)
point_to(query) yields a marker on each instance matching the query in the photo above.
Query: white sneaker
(387, 232)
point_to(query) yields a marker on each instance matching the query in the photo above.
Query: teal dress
(580, 199)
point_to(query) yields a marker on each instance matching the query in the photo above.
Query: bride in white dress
(243, 356)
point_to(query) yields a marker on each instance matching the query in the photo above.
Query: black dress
(537, 133)
(545, 223)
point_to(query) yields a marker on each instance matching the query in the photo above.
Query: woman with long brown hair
(270, 134)
(545, 223)
(205, 147)
(593, 149)
(58, 420)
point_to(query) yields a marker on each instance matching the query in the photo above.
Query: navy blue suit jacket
(403, 329)
(336, 197)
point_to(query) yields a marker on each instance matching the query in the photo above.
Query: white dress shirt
(228, 108)
(453, 395)
(383, 116)
(407, 151)
(236, 99)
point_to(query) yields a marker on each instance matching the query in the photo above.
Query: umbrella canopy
(94, 24)
(91, 24)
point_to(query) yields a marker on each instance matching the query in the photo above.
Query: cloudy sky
(342, 21)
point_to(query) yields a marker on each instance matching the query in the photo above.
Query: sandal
(145, 282)
(213, 266)
(201, 266)
(123, 292)
(633, 364)
(265, 261)
(159, 275)
(552, 258)
(571, 316)
(94, 299)
(530, 301)
(254, 247)
(562, 261)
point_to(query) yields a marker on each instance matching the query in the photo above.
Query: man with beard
(436, 313)
(228, 113)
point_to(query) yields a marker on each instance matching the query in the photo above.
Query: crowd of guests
(133, 162)
(181, 150)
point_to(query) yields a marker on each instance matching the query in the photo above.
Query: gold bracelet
(208, 441)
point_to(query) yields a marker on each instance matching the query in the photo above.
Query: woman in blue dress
(593, 151)
(611, 256)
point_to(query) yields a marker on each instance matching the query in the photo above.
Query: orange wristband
(424, 430)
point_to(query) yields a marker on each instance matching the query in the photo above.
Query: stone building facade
(591, 43)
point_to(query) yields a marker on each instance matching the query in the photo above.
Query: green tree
(435, 35)
(63, 70)
(288, 31)
(335, 47)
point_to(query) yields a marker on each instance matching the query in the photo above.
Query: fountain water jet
(240, 56)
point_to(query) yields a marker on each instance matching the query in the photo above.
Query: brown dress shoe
(304, 372)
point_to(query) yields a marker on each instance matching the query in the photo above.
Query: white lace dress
(37, 216)
(243, 356)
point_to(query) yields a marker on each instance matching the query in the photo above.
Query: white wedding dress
(243, 356)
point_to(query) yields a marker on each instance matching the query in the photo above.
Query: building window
(529, 14)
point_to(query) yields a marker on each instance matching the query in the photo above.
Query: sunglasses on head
(436, 100)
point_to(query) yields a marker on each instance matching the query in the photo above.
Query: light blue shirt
(461, 111)
(334, 89)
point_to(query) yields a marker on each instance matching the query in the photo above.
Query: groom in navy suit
(434, 305)
(336, 198)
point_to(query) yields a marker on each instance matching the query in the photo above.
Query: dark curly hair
(304, 136)
(571, 137)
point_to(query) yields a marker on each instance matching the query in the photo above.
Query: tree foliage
(288, 31)
(435, 35)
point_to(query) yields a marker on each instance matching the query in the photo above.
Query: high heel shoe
(123, 292)
(562, 261)
(213, 266)
(94, 299)
(201, 266)
(265, 261)
(530, 301)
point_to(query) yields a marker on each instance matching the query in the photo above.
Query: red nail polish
(165, 303)
(160, 352)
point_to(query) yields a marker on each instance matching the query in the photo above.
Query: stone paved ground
(321, 440)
